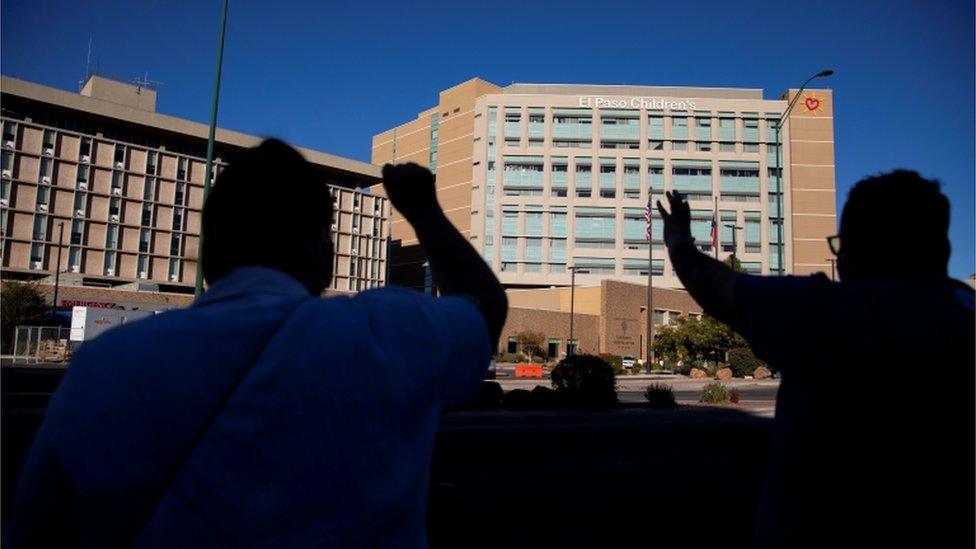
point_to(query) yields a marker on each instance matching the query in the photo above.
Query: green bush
(743, 362)
(714, 393)
(615, 361)
(659, 395)
(585, 381)
(506, 357)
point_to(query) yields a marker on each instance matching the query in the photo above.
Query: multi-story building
(125, 185)
(542, 177)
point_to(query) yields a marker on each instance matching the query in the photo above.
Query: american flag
(647, 217)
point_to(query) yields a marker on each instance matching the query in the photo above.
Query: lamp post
(571, 346)
(208, 173)
(57, 271)
(735, 242)
(779, 169)
(833, 268)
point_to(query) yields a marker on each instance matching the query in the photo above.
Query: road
(630, 391)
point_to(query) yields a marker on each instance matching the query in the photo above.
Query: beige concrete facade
(559, 175)
(126, 184)
(610, 317)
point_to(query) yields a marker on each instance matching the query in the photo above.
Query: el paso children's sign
(636, 103)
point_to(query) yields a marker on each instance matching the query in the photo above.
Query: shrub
(506, 357)
(521, 357)
(615, 361)
(714, 393)
(544, 398)
(517, 399)
(659, 395)
(489, 396)
(743, 362)
(585, 381)
(734, 396)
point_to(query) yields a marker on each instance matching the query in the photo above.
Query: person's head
(269, 208)
(894, 224)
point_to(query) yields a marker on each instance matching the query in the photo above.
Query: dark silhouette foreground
(874, 432)
(262, 415)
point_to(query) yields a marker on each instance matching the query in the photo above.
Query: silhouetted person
(262, 415)
(873, 436)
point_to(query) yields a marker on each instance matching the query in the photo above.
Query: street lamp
(57, 272)
(833, 268)
(571, 346)
(779, 169)
(208, 172)
(735, 243)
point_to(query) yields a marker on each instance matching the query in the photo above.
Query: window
(109, 264)
(608, 193)
(181, 169)
(679, 146)
(9, 131)
(146, 215)
(178, 219)
(84, 149)
(148, 188)
(47, 168)
(144, 235)
(552, 350)
(655, 145)
(726, 147)
(178, 198)
(174, 245)
(704, 146)
(512, 345)
(151, 162)
(77, 229)
(48, 139)
(114, 206)
(143, 267)
(750, 147)
(116, 182)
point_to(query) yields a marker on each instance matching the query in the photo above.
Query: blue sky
(330, 76)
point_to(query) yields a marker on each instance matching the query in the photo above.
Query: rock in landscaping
(762, 372)
(723, 374)
(697, 373)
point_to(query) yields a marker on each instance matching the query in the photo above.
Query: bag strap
(204, 428)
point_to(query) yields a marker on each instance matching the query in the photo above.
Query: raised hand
(677, 224)
(411, 190)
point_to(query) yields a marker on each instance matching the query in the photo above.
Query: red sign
(83, 303)
(812, 103)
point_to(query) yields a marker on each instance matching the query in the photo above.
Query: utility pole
(57, 271)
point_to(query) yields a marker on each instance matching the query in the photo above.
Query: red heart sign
(812, 103)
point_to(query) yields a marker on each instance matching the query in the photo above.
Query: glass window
(727, 147)
(679, 146)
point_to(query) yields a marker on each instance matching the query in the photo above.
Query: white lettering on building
(653, 103)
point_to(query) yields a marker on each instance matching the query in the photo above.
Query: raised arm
(455, 264)
(710, 282)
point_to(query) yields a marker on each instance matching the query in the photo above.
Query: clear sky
(329, 75)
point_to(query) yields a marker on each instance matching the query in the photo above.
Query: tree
(22, 304)
(699, 339)
(734, 263)
(531, 343)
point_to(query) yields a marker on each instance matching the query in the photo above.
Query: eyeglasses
(834, 243)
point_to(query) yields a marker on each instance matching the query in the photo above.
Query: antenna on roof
(87, 64)
(145, 82)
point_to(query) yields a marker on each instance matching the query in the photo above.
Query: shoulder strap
(191, 446)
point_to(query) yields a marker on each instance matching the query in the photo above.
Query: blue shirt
(873, 435)
(258, 417)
